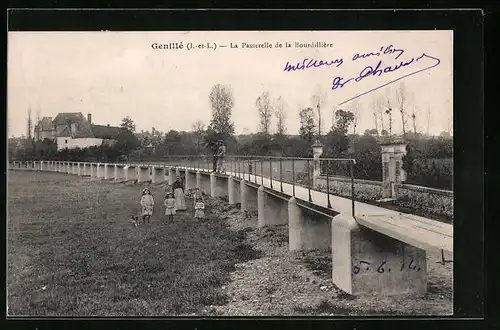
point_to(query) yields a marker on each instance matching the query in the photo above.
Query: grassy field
(73, 251)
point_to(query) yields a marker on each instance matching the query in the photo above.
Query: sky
(117, 74)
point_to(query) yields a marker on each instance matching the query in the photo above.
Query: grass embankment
(73, 251)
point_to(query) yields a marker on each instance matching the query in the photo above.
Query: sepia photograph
(230, 173)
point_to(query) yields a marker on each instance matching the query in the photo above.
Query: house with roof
(44, 129)
(73, 130)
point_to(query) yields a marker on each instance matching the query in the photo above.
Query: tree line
(421, 162)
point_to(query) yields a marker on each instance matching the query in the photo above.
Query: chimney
(89, 118)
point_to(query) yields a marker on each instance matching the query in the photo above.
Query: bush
(430, 163)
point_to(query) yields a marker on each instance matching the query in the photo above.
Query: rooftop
(105, 131)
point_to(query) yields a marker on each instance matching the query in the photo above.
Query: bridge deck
(417, 231)
(426, 234)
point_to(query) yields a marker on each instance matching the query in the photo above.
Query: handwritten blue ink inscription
(365, 266)
(387, 50)
(311, 63)
(380, 69)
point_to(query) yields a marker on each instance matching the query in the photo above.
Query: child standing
(197, 195)
(199, 208)
(147, 203)
(170, 206)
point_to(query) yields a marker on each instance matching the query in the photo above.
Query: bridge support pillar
(119, 172)
(86, 169)
(188, 180)
(231, 191)
(171, 175)
(93, 170)
(158, 174)
(271, 210)
(198, 180)
(368, 262)
(100, 171)
(243, 196)
(307, 230)
(129, 172)
(218, 188)
(143, 174)
(213, 185)
(109, 171)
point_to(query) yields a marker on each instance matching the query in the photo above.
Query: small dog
(134, 220)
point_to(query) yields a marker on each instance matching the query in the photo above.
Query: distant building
(73, 130)
(44, 129)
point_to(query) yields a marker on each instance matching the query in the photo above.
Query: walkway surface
(423, 233)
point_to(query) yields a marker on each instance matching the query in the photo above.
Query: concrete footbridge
(374, 250)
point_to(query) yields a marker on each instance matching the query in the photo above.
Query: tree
(198, 130)
(172, 143)
(265, 109)
(378, 111)
(307, 128)
(222, 102)
(355, 109)
(336, 143)
(318, 100)
(414, 118)
(126, 142)
(370, 132)
(128, 124)
(211, 137)
(30, 123)
(402, 101)
(388, 111)
(280, 117)
(343, 120)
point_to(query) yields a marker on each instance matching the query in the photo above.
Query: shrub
(429, 163)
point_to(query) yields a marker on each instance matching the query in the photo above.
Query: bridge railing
(295, 171)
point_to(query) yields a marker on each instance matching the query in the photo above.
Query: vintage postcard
(230, 173)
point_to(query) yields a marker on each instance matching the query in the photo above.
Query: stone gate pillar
(392, 162)
(317, 152)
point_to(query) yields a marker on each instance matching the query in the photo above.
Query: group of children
(170, 203)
